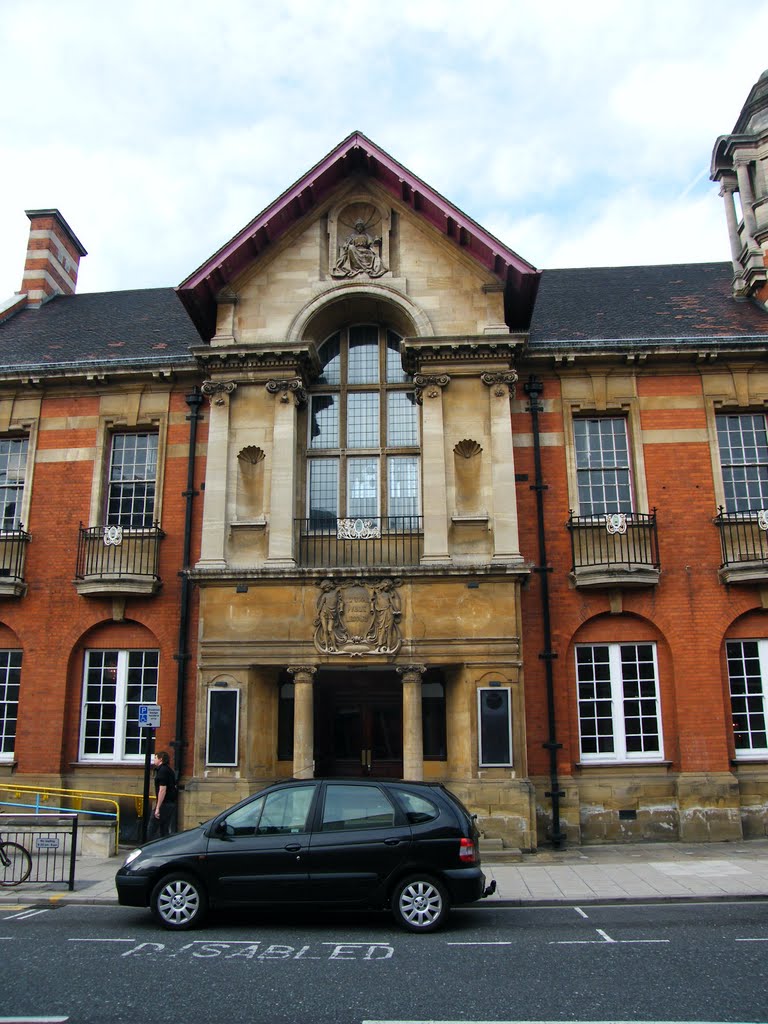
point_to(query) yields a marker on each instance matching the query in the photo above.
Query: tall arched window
(363, 443)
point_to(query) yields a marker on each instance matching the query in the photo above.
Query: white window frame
(9, 755)
(736, 505)
(214, 690)
(620, 754)
(602, 468)
(116, 520)
(752, 753)
(18, 484)
(481, 755)
(118, 755)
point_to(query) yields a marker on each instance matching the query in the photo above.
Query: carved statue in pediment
(356, 617)
(359, 254)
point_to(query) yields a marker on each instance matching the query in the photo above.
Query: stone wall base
(625, 805)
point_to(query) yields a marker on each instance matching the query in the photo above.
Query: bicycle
(15, 863)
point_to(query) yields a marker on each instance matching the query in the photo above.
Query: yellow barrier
(75, 797)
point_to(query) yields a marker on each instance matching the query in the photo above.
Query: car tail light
(467, 851)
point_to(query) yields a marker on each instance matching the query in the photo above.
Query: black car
(412, 846)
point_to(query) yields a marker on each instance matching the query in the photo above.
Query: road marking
(22, 916)
(580, 911)
(33, 1020)
(101, 940)
(751, 940)
(605, 939)
(479, 943)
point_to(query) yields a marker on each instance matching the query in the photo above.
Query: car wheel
(420, 903)
(178, 902)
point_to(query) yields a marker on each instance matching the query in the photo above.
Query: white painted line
(24, 914)
(751, 940)
(546, 1022)
(580, 911)
(33, 1020)
(479, 943)
(101, 940)
(604, 935)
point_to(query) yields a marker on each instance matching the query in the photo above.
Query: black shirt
(164, 777)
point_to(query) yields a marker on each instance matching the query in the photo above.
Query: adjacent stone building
(378, 497)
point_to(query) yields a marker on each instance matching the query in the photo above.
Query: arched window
(363, 433)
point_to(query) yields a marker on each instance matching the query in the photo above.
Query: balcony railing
(744, 545)
(113, 560)
(13, 546)
(332, 543)
(615, 550)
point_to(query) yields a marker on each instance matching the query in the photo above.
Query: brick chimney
(53, 257)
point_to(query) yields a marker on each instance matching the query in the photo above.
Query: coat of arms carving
(358, 617)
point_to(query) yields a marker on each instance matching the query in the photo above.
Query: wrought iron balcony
(13, 547)
(113, 561)
(339, 543)
(615, 550)
(744, 544)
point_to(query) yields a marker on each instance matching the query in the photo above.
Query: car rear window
(418, 808)
(356, 807)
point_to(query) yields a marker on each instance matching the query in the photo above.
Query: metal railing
(50, 840)
(372, 541)
(614, 541)
(743, 536)
(110, 551)
(46, 799)
(13, 544)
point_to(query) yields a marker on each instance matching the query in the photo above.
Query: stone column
(726, 191)
(291, 395)
(747, 201)
(429, 394)
(413, 736)
(506, 539)
(303, 722)
(215, 503)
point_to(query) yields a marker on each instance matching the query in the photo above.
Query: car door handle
(391, 842)
(293, 847)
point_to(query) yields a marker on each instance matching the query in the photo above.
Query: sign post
(149, 720)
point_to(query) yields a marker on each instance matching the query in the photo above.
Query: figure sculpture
(359, 255)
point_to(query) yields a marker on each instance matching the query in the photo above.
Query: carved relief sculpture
(359, 254)
(356, 617)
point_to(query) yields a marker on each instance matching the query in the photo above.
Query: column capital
(500, 382)
(217, 391)
(411, 673)
(431, 383)
(305, 671)
(287, 387)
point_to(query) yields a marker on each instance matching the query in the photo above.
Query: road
(631, 962)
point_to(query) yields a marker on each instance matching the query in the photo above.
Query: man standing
(165, 797)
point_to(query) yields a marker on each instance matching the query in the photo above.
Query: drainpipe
(194, 401)
(534, 388)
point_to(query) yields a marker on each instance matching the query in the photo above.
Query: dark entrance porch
(358, 724)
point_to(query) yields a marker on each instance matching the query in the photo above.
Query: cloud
(159, 130)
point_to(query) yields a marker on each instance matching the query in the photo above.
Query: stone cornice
(478, 349)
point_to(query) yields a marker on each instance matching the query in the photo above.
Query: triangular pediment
(356, 157)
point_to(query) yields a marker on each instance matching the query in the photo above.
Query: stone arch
(371, 301)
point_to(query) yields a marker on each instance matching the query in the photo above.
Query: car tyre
(179, 902)
(420, 903)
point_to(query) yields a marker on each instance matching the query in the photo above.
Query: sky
(579, 133)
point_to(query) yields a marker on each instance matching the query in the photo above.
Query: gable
(358, 159)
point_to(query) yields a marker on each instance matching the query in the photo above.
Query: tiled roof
(678, 303)
(148, 325)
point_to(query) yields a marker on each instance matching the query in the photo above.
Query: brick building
(378, 497)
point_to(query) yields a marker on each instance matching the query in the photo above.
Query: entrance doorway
(359, 725)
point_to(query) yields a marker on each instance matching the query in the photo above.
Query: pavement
(578, 874)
